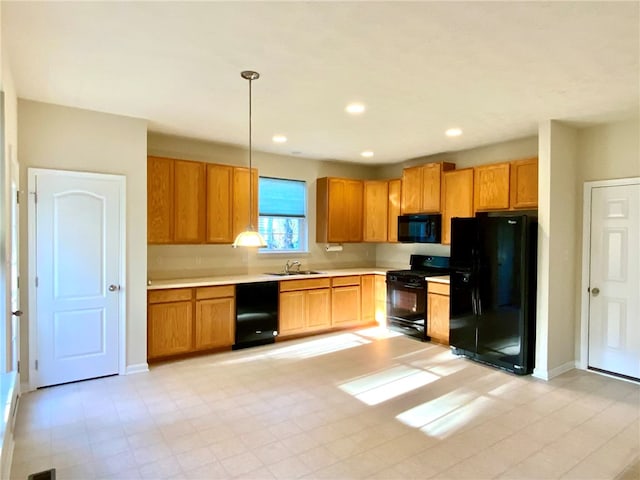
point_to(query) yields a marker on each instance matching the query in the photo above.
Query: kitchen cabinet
(215, 312)
(421, 188)
(376, 204)
(458, 198)
(185, 320)
(219, 203)
(381, 299)
(393, 209)
(175, 201)
(339, 203)
(170, 322)
(345, 301)
(491, 187)
(159, 200)
(524, 183)
(438, 312)
(305, 306)
(373, 293)
(241, 199)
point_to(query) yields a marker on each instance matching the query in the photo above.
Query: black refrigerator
(493, 290)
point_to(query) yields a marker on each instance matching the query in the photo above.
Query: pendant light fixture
(250, 237)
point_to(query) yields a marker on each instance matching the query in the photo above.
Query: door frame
(583, 361)
(32, 173)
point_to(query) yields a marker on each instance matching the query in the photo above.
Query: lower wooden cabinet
(185, 320)
(438, 312)
(345, 301)
(305, 306)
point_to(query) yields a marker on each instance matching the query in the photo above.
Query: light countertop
(262, 277)
(441, 279)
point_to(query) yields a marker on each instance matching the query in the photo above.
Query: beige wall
(65, 138)
(180, 261)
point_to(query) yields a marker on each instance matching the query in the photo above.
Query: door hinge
(17, 196)
(18, 282)
(36, 281)
(18, 367)
(36, 364)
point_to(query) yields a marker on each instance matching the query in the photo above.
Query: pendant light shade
(250, 237)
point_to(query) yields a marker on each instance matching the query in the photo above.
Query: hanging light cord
(250, 150)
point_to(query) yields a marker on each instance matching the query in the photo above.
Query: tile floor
(360, 404)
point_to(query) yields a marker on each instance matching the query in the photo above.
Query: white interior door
(614, 305)
(78, 271)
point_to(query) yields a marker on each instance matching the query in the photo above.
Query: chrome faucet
(288, 266)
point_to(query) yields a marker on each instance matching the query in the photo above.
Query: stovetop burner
(424, 266)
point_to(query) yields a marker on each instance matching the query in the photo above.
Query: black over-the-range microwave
(419, 228)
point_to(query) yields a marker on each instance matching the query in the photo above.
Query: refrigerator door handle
(473, 302)
(478, 303)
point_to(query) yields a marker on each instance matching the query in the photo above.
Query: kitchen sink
(301, 272)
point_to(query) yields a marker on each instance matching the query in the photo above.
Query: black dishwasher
(256, 314)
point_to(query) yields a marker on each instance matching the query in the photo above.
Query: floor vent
(45, 475)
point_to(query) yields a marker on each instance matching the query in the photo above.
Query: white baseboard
(137, 368)
(9, 401)
(26, 387)
(554, 372)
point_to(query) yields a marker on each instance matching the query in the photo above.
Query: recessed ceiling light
(453, 132)
(279, 138)
(355, 108)
(367, 153)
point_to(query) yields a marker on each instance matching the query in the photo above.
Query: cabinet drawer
(169, 295)
(215, 292)
(306, 284)
(343, 281)
(439, 288)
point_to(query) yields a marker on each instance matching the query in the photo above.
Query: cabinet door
(368, 298)
(189, 202)
(438, 317)
(337, 210)
(524, 183)
(159, 200)
(491, 187)
(458, 198)
(393, 210)
(381, 299)
(169, 329)
(219, 204)
(215, 321)
(431, 187)
(411, 190)
(354, 203)
(345, 305)
(318, 309)
(291, 317)
(376, 202)
(241, 199)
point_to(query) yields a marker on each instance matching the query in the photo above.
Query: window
(282, 211)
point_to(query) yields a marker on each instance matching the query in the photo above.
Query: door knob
(113, 288)
(595, 291)
(17, 313)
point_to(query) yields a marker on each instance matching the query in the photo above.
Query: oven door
(406, 300)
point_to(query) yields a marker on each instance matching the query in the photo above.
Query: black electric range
(407, 294)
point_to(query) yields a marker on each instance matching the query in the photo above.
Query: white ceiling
(494, 69)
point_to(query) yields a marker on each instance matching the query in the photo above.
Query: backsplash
(187, 261)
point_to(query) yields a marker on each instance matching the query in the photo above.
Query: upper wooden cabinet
(241, 199)
(219, 203)
(393, 209)
(339, 204)
(457, 197)
(189, 202)
(198, 202)
(524, 183)
(175, 201)
(421, 187)
(506, 185)
(159, 200)
(491, 187)
(376, 204)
